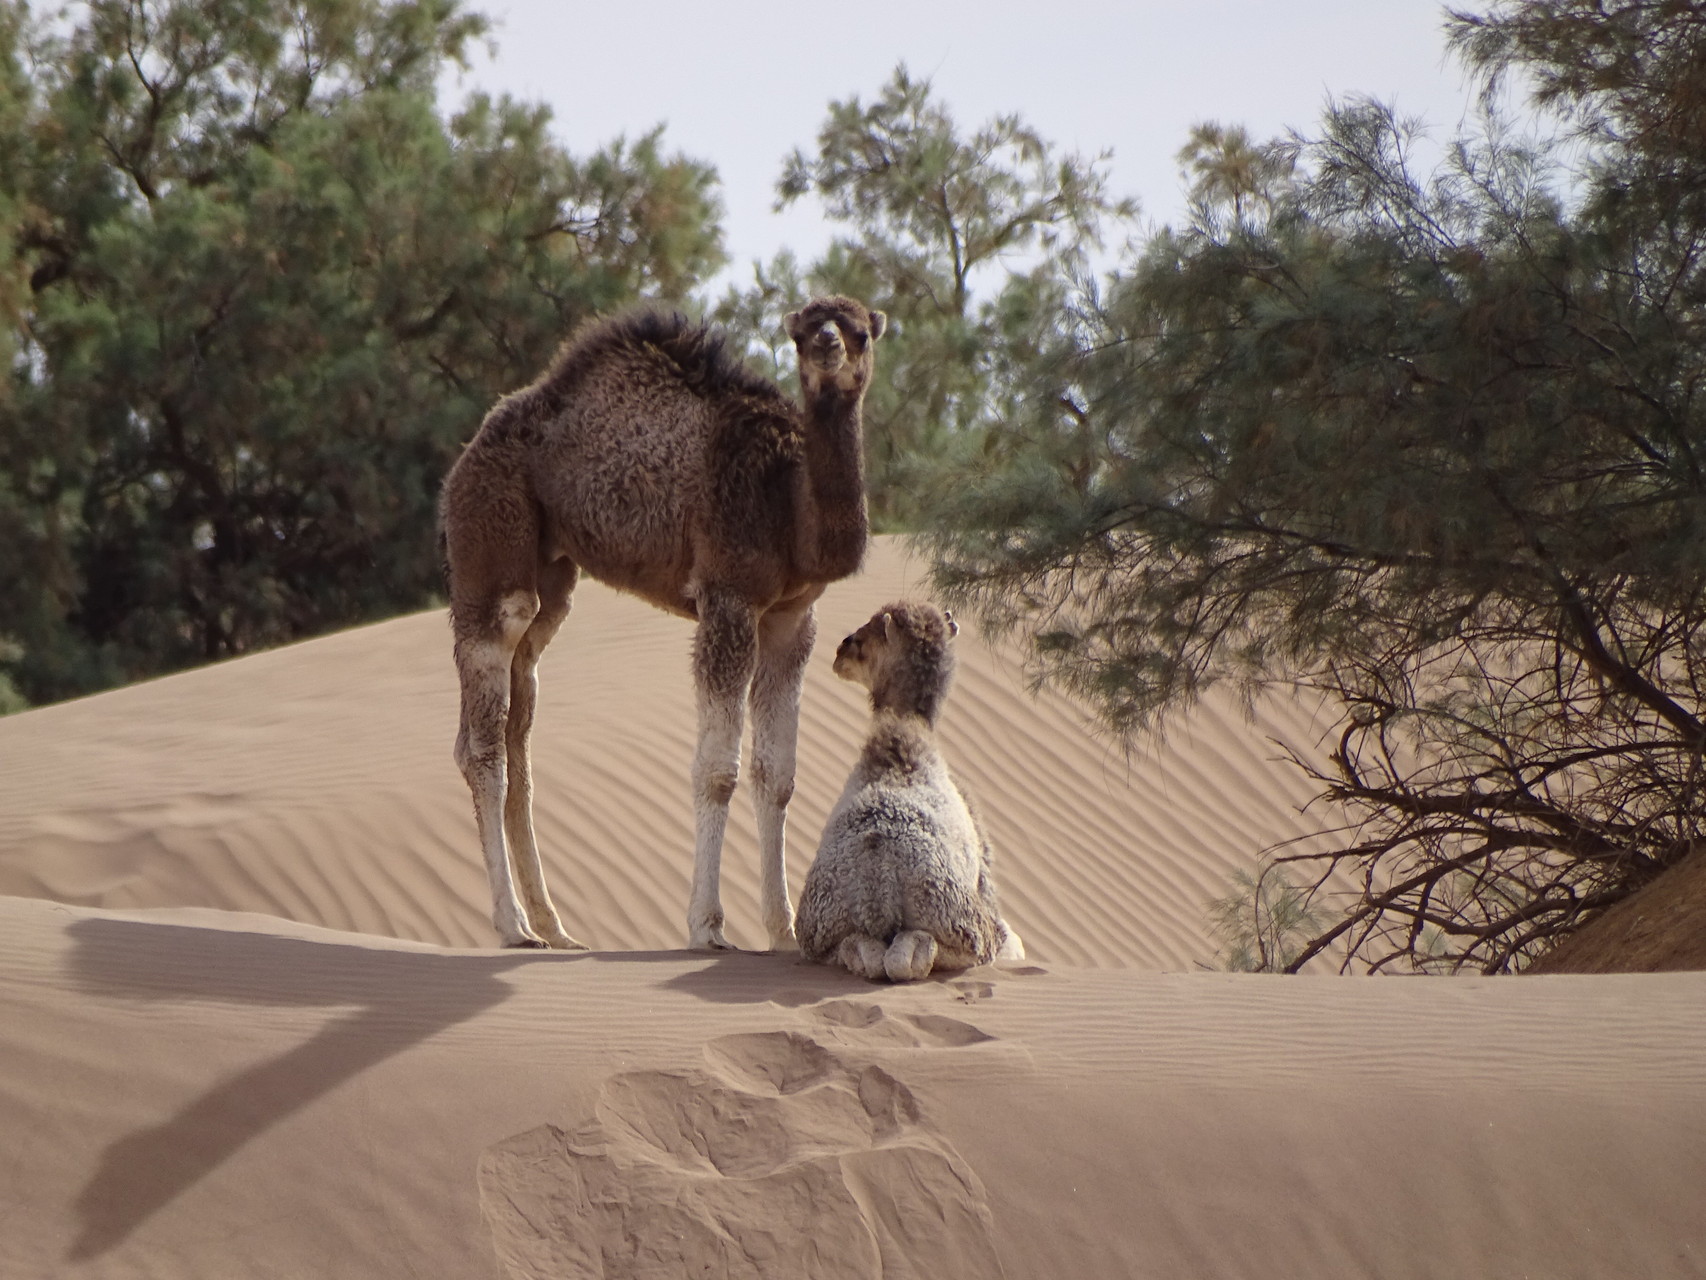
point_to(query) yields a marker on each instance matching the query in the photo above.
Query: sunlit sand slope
(315, 782)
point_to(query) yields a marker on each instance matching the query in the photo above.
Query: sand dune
(1661, 926)
(197, 1094)
(250, 1024)
(315, 783)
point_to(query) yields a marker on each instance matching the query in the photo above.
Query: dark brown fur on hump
(698, 354)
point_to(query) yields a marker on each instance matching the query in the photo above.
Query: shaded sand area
(249, 1024)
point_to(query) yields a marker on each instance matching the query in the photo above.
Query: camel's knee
(862, 956)
(716, 764)
(773, 786)
(910, 956)
(716, 782)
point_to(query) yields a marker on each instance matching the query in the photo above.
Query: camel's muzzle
(846, 654)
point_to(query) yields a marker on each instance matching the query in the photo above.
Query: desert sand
(251, 1023)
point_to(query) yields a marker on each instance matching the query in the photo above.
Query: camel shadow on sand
(396, 999)
(393, 1000)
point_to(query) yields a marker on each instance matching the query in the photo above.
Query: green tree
(270, 290)
(1263, 923)
(1431, 443)
(971, 242)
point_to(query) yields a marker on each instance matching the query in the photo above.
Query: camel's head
(904, 655)
(835, 337)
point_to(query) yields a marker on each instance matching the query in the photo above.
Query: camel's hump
(700, 354)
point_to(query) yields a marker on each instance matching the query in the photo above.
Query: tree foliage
(1264, 923)
(258, 290)
(972, 242)
(1431, 442)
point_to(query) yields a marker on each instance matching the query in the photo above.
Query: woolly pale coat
(901, 851)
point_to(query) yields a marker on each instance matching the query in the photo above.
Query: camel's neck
(898, 744)
(835, 528)
(912, 693)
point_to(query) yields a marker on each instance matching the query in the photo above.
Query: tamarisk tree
(258, 290)
(972, 241)
(1431, 443)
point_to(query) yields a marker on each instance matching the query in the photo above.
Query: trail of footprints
(789, 1155)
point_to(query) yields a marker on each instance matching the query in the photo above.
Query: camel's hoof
(562, 942)
(525, 944)
(713, 942)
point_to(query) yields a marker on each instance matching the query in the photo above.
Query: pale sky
(740, 84)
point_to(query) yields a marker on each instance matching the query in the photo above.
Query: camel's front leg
(725, 652)
(784, 645)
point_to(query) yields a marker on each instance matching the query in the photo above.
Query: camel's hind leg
(784, 645)
(488, 631)
(556, 582)
(725, 651)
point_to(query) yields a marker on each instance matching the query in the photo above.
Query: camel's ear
(953, 627)
(790, 320)
(879, 323)
(888, 626)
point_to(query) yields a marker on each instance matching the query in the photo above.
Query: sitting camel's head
(904, 655)
(835, 337)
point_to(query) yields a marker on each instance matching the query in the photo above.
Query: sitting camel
(651, 458)
(902, 882)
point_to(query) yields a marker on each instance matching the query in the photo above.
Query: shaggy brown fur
(649, 457)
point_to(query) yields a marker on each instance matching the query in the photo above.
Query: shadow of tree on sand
(397, 999)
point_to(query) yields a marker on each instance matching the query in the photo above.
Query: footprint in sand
(783, 1157)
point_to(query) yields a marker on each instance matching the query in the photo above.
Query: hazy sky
(740, 84)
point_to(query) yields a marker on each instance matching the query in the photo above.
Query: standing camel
(650, 457)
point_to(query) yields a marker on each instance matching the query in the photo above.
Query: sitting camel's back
(902, 881)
